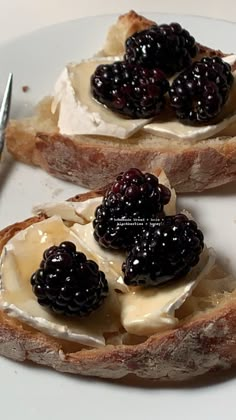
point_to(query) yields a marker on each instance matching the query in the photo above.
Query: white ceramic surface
(29, 392)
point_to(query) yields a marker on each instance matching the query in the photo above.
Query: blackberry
(129, 204)
(130, 90)
(67, 283)
(167, 47)
(199, 93)
(167, 251)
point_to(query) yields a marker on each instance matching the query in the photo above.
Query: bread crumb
(25, 88)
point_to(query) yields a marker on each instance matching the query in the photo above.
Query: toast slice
(203, 341)
(93, 160)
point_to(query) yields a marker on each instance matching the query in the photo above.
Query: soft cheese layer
(80, 212)
(21, 257)
(145, 311)
(79, 113)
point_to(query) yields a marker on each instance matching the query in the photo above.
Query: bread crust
(190, 168)
(206, 344)
(194, 168)
(203, 343)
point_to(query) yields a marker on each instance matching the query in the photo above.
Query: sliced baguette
(203, 341)
(92, 161)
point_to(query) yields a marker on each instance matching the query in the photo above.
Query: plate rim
(30, 33)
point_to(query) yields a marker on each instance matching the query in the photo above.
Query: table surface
(18, 17)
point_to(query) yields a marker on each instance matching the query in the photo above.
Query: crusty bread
(126, 25)
(129, 23)
(204, 340)
(91, 161)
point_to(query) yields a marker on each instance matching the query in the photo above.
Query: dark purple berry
(129, 89)
(68, 283)
(167, 47)
(199, 93)
(129, 204)
(166, 251)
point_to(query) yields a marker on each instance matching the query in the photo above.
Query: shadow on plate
(223, 190)
(131, 381)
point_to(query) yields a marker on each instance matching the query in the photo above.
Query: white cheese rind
(173, 129)
(79, 212)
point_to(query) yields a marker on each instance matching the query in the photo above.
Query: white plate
(29, 392)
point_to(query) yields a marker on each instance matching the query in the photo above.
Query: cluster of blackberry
(159, 248)
(134, 199)
(130, 89)
(67, 283)
(137, 86)
(199, 92)
(167, 47)
(166, 251)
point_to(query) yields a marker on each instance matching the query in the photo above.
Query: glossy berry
(167, 47)
(166, 251)
(130, 90)
(199, 93)
(67, 283)
(129, 204)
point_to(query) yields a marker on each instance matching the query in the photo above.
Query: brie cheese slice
(173, 129)
(80, 113)
(79, 212)
(145, 311)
